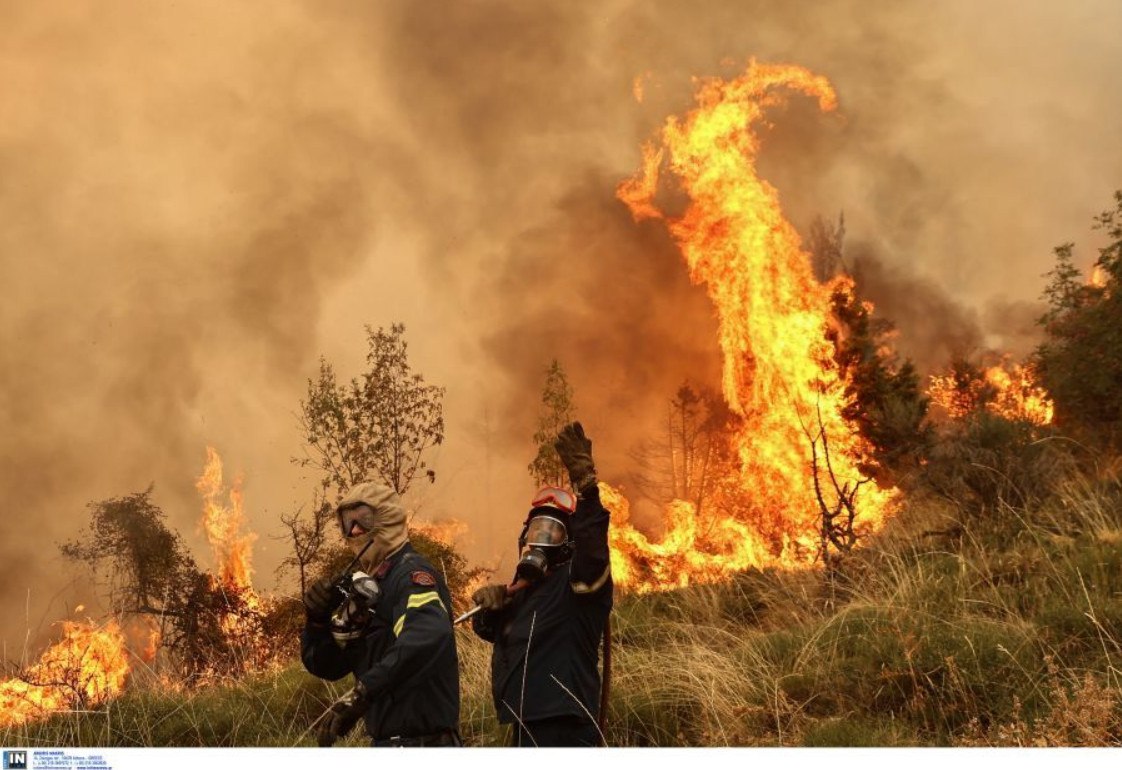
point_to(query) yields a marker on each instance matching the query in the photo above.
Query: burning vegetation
(86, 668)
(791, 462)
(209, 625)
(781, 379)
(1008, 390)
(224, 521)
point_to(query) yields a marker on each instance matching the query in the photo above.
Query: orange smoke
(223, 523)
(87, 667)
(779, 374)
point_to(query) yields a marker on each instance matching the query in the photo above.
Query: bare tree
(837, 504)
(686, 463)
(825, 244)
(307, 534)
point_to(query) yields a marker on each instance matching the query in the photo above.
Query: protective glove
(575, 451)
(491, 598)
(343, 715)
(321, 599)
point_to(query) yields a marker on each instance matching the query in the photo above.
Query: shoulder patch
(422, 578)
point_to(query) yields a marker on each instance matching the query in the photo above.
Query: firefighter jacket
(546, 640)
(404, 653)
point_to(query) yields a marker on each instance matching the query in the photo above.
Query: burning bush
(86, 668)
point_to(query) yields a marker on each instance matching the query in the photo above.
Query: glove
(343, 715)
(575, 451)
(491, 598)
(321, 599)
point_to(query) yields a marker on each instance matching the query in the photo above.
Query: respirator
(544, 542)
(548, 542)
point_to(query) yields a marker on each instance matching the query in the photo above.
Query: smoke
(932, 327)
(198, 200)
(173, 212)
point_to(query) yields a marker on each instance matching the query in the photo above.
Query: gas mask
(544, 544)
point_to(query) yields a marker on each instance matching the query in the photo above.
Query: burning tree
(227, 618)
(209, 623)
(1006, 390)
(143, 568)
(774, 319)
(883, 395)
(988, 452)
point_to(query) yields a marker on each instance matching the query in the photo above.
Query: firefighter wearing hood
(544, 676)
(388, 625)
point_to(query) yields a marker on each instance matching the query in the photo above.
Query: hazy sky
(197, 200)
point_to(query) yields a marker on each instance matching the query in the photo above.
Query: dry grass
(997, 630)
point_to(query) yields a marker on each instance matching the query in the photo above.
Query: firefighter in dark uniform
(544, 677)
(391, 629)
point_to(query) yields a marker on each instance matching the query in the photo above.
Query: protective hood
(388, 527)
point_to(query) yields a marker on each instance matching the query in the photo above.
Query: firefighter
(544, 678)
(387, 624)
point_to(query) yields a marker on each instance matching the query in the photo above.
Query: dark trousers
(557, 731)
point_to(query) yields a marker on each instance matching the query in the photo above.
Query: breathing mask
(544, 542)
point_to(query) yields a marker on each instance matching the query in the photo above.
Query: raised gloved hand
(321, 599)
(343, 715)
(575, 451)
(491, 598)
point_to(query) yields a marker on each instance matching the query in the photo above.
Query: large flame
(779, 373)
(87, 667)
(223, 524)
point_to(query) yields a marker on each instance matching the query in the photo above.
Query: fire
(444, 530)
(143, 635)
(779, 374)
(233, 552)
(690, 551)
(223, 523)
(86, 668)
(1098, 277)
(1008, 390)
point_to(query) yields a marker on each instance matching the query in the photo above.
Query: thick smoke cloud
(197, 200)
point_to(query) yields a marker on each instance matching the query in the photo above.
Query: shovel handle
(511, 590)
